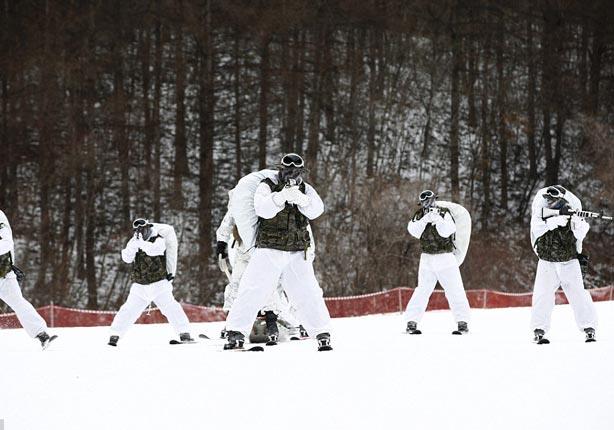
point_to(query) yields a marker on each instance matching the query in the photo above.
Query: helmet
(291, 168)
(427, 198)
(143, 227)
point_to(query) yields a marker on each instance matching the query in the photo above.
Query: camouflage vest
(286, 231)
(147, 269)
(6, 264)
(557, 245)
(430, 241)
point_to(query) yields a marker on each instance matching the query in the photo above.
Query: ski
(180, 342)
(251, 349)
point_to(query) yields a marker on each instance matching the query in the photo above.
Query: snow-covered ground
(376, 378)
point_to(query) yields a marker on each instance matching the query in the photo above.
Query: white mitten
(281, 197)
(133, 244)
(579, 226)
(299, 198)
(556, 221)
(431, 216)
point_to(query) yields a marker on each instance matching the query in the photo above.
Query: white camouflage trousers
(140, 296)
(568, 276)
(443, 268)
(261, 278)
(30, 320)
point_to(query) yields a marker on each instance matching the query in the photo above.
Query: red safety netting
(393, 300)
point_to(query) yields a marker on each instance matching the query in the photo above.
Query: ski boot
(538, 337)
(272, 330)
(113, 340)
(590, 334)
(324, 342)
(302, 331)
(234, 340)
(412, 328)
(185, 338)
(462, 328)
(45, 339)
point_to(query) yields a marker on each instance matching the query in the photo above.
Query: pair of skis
(184, 342)
(256, 348)
(455, 332)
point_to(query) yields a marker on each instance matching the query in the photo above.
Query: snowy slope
(377, 378)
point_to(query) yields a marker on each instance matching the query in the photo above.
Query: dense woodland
(114, 109)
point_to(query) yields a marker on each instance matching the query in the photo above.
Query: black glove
(221, 248)
(170, 277)
(19, 273)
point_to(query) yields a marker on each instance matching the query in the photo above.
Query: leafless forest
(115, 109)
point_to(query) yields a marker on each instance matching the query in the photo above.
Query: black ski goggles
(139, 223)
(295, 160)
(425, 195)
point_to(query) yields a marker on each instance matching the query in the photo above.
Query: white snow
(376, 378)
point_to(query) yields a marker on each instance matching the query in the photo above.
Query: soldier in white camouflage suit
(10, 292)
(153, 270)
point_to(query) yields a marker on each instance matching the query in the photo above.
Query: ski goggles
(554, 193)
(425, 195)
(292, 160)
(139, 223)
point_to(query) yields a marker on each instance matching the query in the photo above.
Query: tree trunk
(180, 167)
(45, 162)
(596, 57)
(148, 132)
(263, 109)
(206, 112)
(238, 106)
(531, 103)
(485, 147)
(454, 117)
(371, 106)
(549, 84)
(300, 85)
(313, 145)
(120, 102)
(501, 104)
(90, 236)
(156, 123)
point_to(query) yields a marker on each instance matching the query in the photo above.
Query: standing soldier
(152, 251)
(10, 293)
(557, 241)
(436, 228)
(284, 204)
